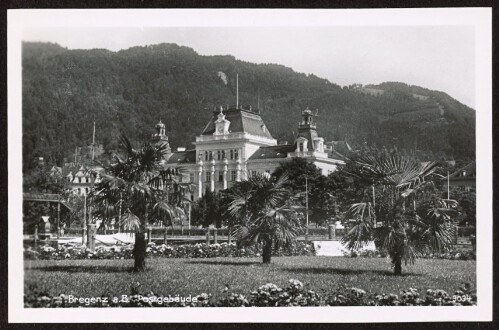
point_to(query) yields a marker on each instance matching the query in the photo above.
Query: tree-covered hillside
(130, 90)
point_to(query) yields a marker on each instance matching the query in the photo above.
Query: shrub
(456, 253)
(294, 295)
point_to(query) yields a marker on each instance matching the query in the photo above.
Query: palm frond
(130, 222)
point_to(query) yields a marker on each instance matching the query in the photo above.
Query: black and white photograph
(332, 165)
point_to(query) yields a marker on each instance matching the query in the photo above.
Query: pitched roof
(241, 120)
(309, 133)
(468, 171)
(66, 170)
(341, 147)
(182, 157)
(84, 170)
(56, 170)
(44, 197)
(279, 151)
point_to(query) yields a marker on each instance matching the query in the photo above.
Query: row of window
(80, 180)
(231, 154)
(81, 190)
(233, 176)
(83, 180)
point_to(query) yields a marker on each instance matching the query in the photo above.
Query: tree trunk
(398, 265)
(267, 251)
(139, 252)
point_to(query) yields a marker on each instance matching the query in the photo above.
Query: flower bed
(266, 295)
(71, 251)
(456, 253)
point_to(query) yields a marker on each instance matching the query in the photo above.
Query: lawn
(86, 278)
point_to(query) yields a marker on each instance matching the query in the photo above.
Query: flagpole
(237, 91)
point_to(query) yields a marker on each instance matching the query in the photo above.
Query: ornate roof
(160, 124)
(241, 120)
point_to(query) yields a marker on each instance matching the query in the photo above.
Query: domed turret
(160, 135)
(307, 131)
(307, 118)
(160, 128)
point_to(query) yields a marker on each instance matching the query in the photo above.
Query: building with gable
(80, 177)
(236, 143)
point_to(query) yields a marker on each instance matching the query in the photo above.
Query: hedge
(200, 250)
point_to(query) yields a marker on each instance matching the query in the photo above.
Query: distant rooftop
(468, 171)
(279, 151)
(182, 157)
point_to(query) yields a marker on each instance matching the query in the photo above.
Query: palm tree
(171, 200)
(406, 218)
(264, 208)
(132, 179)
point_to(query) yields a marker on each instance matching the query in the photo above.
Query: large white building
(236, 144)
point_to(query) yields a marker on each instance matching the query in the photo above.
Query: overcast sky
(435, 57)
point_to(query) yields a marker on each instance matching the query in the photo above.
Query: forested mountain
(131, 90)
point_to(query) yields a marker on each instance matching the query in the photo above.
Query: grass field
(86, 278)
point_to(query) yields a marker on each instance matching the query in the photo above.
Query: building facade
(80, 178)
(236, 143)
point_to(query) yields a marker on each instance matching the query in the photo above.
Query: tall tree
(407, 218)
(264, 207)
(134, 180)
(171, 197)
(302, 175)
(208, 210)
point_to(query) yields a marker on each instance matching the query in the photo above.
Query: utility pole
(448, 185)
(374, 203)
(59, 219)
(119, 215)
(306, 206)
(189, 205)
(84, 236)
(93, 144)
(92, 179)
